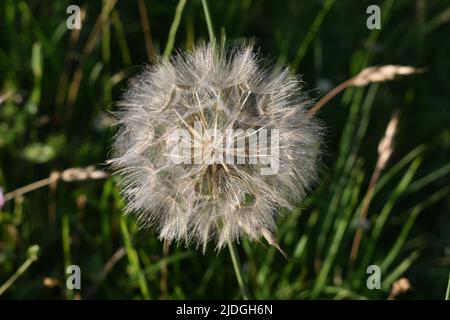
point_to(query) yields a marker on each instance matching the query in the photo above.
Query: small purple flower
(2, 199)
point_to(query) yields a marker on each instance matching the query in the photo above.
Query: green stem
(311, 33)
(174, 28)
(233, 253)
(65, 236)
(133, 259)
(212, 38)
(32, 256)
(238, 270)
(447, 294)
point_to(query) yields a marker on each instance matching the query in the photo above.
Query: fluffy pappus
(219, 200)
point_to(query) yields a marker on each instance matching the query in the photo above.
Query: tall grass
(58, 86)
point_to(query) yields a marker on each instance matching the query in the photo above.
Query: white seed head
(218, 200)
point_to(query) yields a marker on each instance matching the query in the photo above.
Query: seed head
(247, 148)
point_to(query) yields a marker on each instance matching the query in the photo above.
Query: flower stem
(174, 28)
(233, 253)
(212, 38)
(238, 270)
(32, 257)
(447, 293)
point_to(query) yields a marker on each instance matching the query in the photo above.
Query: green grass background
(57, 89)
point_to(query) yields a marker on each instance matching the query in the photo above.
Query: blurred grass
(56, 90)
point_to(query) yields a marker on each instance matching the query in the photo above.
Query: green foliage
(57, 89)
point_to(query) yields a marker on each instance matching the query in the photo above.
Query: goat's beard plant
(218, 200)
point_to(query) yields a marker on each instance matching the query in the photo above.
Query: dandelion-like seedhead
(205, 91)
